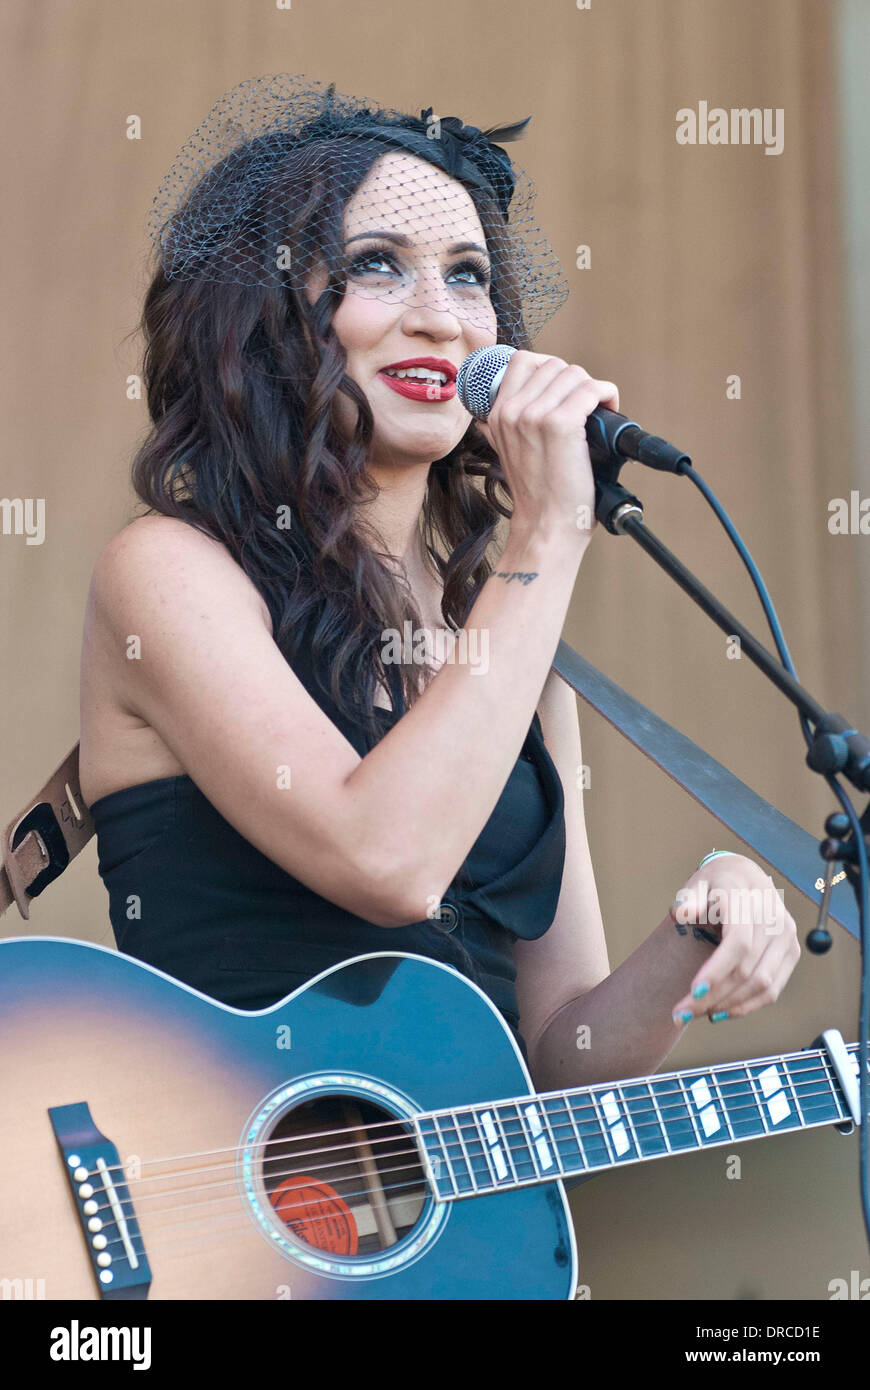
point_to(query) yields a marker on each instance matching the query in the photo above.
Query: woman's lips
(420, 390)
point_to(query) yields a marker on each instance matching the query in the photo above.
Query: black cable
(860, 844)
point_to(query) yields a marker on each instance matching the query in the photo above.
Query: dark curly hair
(240, 384)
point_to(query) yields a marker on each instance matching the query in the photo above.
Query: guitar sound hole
(344, 1175)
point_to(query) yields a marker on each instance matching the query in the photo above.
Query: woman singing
(279, 779)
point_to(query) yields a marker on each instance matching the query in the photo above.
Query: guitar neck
(513, 1143)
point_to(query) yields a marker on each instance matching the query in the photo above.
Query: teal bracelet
(714, 854)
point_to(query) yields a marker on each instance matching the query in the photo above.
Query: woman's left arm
(583, 1024)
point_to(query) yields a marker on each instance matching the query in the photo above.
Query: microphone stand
(834, 744)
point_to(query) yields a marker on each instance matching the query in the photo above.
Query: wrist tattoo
(522, 575)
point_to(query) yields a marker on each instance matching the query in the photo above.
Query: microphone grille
(476, 376)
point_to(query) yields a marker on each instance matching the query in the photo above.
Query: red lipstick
(418, 389)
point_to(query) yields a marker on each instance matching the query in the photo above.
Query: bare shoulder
(165, 546)
(182, 676)
(143, 579)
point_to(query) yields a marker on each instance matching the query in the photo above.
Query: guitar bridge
(105, 1208)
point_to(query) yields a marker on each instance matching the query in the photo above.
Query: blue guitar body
(170, 1103)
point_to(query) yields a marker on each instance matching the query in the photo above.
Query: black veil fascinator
(252, 199)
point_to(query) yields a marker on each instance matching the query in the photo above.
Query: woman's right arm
(382, 836)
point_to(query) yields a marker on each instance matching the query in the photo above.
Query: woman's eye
(467, 273)
(372, 262)
(473, 273)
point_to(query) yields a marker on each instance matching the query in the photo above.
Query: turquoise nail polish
(683, 1017)
(717, 1018)
(700, 990)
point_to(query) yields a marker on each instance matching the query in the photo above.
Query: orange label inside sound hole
(316, 1215)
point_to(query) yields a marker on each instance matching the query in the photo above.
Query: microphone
(608, 434)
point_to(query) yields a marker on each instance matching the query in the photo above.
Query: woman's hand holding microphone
(537, 428)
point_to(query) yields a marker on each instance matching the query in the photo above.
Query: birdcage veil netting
(287, 183)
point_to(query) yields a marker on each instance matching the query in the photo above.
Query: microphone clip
(613, 503)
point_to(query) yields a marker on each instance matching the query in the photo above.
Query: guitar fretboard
(537, 1138)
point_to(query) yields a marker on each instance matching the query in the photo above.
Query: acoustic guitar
(375, 1135)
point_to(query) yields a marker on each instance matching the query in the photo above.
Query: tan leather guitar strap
(40, 841)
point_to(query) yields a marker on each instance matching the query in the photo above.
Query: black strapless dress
(191, 896)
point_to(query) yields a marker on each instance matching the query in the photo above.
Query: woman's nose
(432, 320)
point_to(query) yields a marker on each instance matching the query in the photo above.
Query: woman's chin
(415, 444)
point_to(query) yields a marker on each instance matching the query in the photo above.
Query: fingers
(767, 981)
(776, 929)
(522, 368)
(546, 382)
(516, 394)
(536, 428)
(568, 399)
(726, 970)
(747, 971)
(526, 375)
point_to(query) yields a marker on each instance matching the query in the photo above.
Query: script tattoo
(525, 578)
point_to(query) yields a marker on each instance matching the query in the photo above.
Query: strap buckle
(42, 823)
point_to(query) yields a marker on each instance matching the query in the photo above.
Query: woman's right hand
(538, 429)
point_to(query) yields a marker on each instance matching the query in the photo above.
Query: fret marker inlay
(777, 1101)
(617, 1131)
(703, 1099)
(545, 1158)
(489, 1129)
(610, 1108)
(701, 1093)
(769, 1080)
(709, 1120)
(621, 1141)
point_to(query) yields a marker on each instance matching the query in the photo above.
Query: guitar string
(646, 1118)
(157, 1236)
(419, 1182)
(603, 1088)
(331, 1165)
(510, 1133)
(240, 1211)
(173, 1235)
